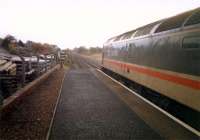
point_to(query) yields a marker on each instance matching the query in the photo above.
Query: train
(163, 56)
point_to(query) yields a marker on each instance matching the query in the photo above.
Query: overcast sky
(72, 23)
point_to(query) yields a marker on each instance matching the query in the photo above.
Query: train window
(145, 30)
(191, 43)
(117, 38)
(194, 19)
(128, 34)
(110, 40)
(174, 22)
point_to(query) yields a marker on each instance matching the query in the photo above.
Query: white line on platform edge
(158, 108)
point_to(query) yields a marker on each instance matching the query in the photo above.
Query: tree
(93, 50)
(7, 40)
(81, 49)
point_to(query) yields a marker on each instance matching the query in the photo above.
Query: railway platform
(88, 109)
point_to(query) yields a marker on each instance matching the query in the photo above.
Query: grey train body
(171, 46)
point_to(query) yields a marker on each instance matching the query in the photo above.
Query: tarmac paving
(88, 109)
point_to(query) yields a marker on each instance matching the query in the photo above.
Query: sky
(74, 23)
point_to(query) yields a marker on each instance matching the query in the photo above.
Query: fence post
(51, 61)
(55, 59)
(45, 58)
(38, 66)
(23, 80)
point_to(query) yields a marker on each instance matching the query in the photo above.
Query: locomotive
(163, 56)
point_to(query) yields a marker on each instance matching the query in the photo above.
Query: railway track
(188, 125)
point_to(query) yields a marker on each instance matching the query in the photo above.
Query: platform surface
(87, 109)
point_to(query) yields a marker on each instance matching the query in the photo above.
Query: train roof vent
(145, 30)
(173, 22)
(194, 19)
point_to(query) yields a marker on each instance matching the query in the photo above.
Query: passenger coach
(163, 56)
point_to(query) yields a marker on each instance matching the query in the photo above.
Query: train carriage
(163, 56)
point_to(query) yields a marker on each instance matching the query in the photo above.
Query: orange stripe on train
(164, 76)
